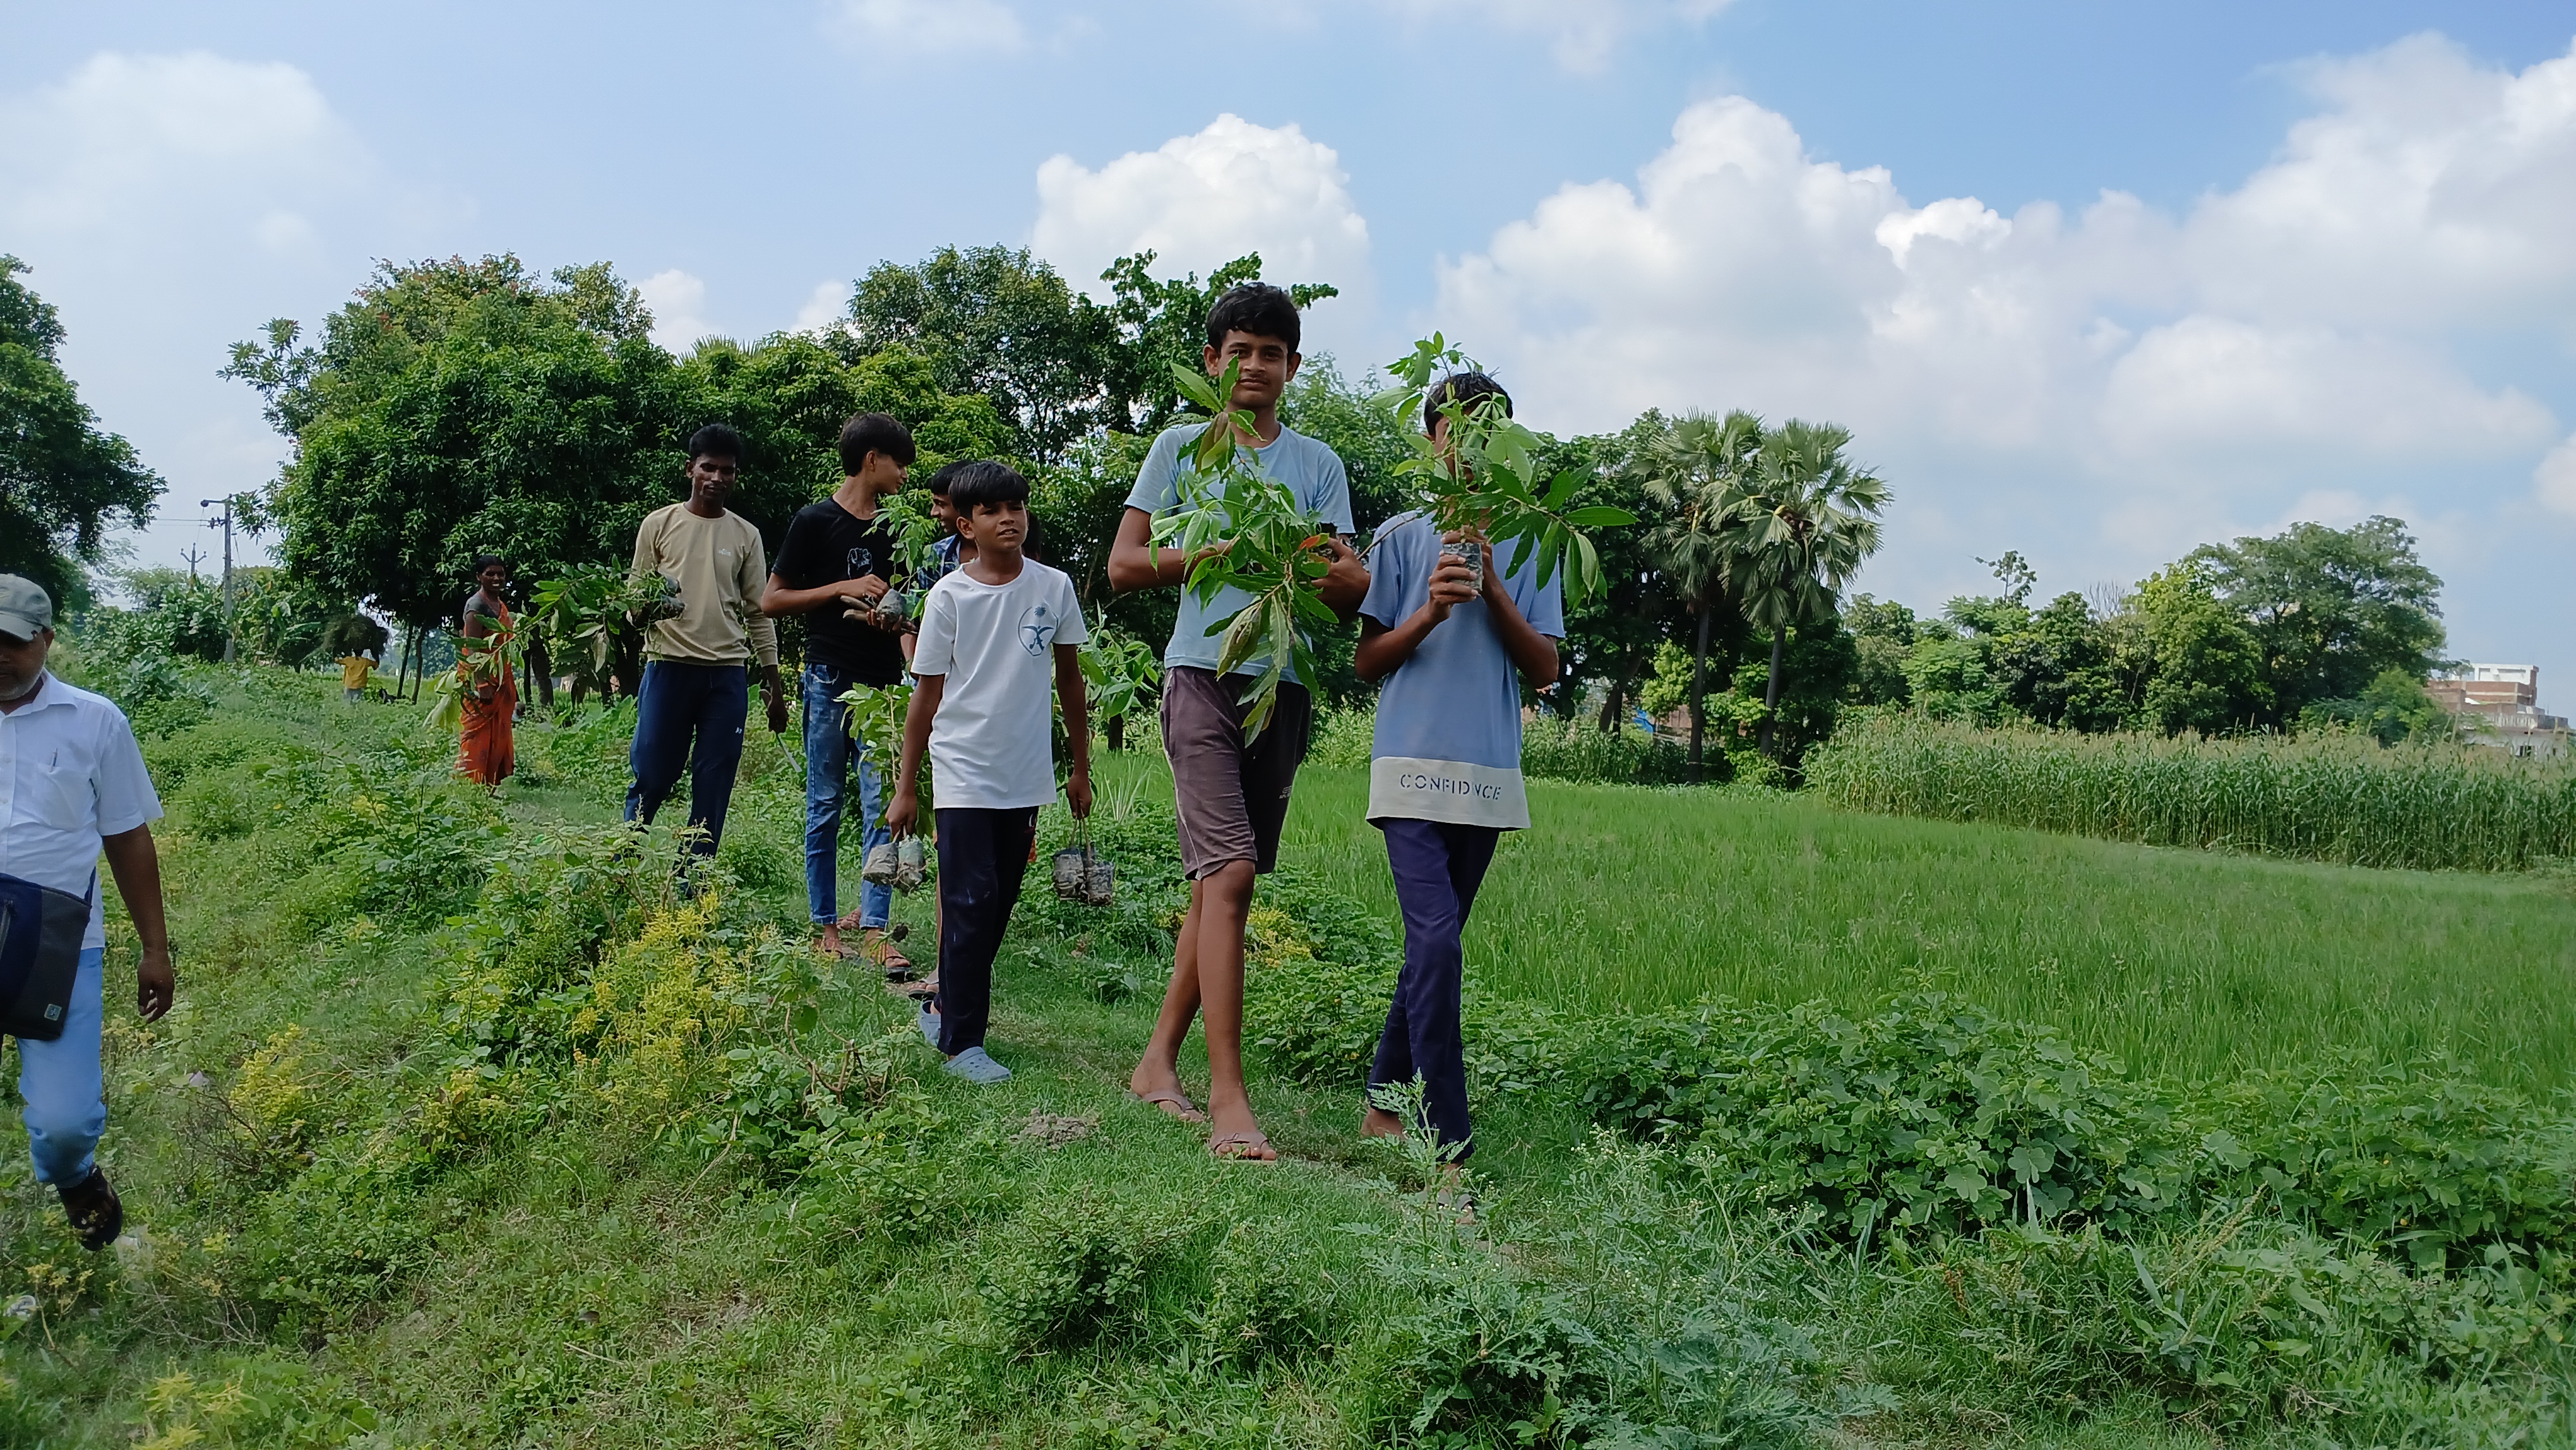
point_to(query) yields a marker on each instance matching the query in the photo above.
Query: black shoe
(96, 1215)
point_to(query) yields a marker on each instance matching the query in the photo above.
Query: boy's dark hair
(946, 476)
(715, 441)
(1256, 308)
(486, 561)
(1463, 389)
(874, 433)
(985, 481)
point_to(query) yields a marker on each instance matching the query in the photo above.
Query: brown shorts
(1232, 798)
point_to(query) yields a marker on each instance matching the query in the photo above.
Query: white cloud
(678, 302)
(2305, 320)
(827, 304)
(1203, 200)
(2208, 382)
(220, 142)
(2554, 481)
(2428, 191)
(1584, 34)
(926, 26)
(169, 204)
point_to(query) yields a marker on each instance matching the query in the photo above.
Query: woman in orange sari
(487, 676)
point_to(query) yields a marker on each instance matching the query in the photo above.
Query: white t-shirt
(992, 742)
(70, 773)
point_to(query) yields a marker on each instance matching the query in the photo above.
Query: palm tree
(1687, 472)
(1803, 519)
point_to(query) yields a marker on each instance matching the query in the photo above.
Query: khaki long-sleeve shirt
(720, 569)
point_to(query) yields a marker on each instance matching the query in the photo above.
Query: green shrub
(2423, 1159)
(1080, 1267)
(2329, 798)
(2235, 1322)
(1553, 749)
(1932, 1117)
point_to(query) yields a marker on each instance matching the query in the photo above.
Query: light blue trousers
(66, 1096)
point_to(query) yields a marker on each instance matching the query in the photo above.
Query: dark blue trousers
(1437, 870)
(983, 857)
(677, 705)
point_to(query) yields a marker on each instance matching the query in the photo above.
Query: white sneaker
(977, 1066)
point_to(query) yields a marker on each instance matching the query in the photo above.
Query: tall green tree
(1611, 637)
(456, 407)
(1059, 366)
(461, 407)
(995, 321)
(63, 479)
(2208, 674)
(1693, 473)
(2332, 608)
(1804, 518)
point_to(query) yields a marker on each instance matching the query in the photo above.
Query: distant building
(2499, 706)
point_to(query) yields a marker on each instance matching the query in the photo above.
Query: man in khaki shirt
(696, 686)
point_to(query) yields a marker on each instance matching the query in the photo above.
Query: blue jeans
(829, 755)
(66, 1104)
(679, 702)
(1437, 868)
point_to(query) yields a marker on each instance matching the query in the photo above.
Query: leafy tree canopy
(1057, 365)
(2333, 608)
(63, 479)
(459, 407)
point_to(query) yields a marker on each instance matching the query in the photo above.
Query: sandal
(1249, 1147)
(1173, 1103)
(96, 1215)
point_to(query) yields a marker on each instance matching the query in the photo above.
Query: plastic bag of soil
(1081, 874)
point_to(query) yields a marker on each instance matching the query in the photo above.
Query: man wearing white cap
(72, 784)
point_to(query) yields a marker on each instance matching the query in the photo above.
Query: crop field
(2342, 799)
(2186, 964)
(469, 1131)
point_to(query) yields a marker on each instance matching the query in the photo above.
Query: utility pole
(192, 554)
(224, 523)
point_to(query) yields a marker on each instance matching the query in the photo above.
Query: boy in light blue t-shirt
(1445, 768)
(1231, 792)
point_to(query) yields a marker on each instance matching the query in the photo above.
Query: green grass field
(332, 1253)
(2181, 963)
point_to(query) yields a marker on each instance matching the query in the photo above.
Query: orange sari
(486, 751)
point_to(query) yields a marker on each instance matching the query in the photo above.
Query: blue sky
(2093, 282)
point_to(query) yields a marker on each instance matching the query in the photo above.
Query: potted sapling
(1483, 484)
(876, 718)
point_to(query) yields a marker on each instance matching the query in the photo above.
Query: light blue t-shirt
(1310, 469)
(1448, 745)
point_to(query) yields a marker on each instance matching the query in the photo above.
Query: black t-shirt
(825, 545)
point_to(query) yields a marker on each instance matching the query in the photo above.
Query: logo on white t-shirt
(1037, 628)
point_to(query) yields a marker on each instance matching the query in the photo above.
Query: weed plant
(2332, 798)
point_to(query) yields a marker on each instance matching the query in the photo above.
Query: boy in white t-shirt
(993, 632)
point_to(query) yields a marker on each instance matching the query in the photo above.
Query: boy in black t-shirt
(839, 555)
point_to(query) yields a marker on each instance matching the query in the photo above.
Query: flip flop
(1173, 1104)
(1242, 1147)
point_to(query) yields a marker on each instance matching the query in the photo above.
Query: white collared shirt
(70, 773)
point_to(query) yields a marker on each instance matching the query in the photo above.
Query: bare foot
(1377, 1122)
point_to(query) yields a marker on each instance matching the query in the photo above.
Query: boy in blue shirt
(1230, 793)
(1452, 646)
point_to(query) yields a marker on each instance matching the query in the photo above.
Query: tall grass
(2187, 964)
(1551, 749)
(2335, 799)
